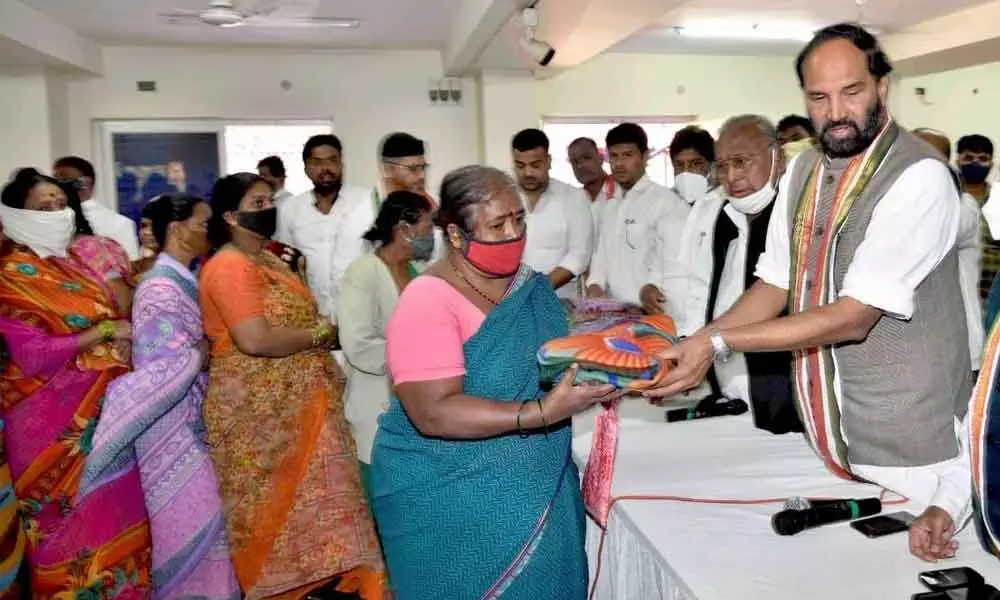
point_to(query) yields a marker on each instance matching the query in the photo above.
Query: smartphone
(949, 579)
(880, 525)
(959, 594)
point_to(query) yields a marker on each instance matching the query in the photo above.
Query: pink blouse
(426, 333)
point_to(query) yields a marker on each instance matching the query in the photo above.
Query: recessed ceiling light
(734, 30)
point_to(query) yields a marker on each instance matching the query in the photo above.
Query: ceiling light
(747, 31)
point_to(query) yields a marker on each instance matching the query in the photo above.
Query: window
(659, 130)
(245, 145)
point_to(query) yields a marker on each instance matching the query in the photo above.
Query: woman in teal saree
(475, 490)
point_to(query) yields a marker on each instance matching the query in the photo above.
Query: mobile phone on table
(950, 579)
(881, 525)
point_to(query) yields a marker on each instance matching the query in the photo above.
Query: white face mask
(691, 186)
(47, 233)
(757, 201)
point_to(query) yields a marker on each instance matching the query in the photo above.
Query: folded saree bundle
(595, 314)
(623, 355)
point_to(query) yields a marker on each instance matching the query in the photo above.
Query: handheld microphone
(718, 408)
(792, 521)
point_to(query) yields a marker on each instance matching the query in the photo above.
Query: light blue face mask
(423, 246)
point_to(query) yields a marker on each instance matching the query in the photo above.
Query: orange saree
(287, 466)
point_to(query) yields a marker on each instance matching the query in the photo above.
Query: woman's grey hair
(762, 124)
(466, 188)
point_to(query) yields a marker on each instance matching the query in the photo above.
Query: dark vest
(905, 383)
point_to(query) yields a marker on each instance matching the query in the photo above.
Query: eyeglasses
(418, 168)
(740, 163)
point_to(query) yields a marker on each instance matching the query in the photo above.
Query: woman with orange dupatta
(60, 322)
(296, 518)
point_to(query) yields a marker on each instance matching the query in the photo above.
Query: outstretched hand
(691, 360)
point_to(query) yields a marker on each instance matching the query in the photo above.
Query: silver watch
(721, 348)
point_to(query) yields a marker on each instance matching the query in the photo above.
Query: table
(657, 549)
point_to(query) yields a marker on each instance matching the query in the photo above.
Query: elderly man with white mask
(723, 238)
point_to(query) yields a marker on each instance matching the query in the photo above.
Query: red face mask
(495, 259)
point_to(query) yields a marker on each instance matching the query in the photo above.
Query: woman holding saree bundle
(155, 412)
(476, 493)
(60, 319)
(295, 513)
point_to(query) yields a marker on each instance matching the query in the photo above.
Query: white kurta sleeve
(667, 270)
(775, 263)
(361, 335)
(911, 230)
(580, 245)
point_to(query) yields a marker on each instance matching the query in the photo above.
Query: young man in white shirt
(272, 168)
(638, 250)
(104, 221)
(560, 237)
(692, 155)
(861, 251)
(327, 222)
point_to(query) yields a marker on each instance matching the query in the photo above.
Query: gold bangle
(321, 335)
(107, 330)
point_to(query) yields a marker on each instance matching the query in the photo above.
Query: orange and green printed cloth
(623, 355)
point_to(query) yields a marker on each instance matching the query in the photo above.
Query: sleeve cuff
(889, 296)
(771, 276)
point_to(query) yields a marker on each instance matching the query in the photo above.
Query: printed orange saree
(287, 465)
(51, 403)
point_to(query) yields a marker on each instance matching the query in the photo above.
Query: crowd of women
(176, 427)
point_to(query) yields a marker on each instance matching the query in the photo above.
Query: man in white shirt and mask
(692, 154)
(560, 237)
(327, 222)
(272, 168)
(723, 239)
(105, 222)
(638, 251)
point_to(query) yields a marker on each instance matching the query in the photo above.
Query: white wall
(366, 94)
(24, 121)
(957, 102)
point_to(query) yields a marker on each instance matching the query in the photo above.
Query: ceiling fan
(271, 13)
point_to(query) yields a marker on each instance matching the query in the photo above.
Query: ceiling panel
(385, 24)
(885, 16)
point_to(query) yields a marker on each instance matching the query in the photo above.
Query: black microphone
(790, 522)
(710, 407)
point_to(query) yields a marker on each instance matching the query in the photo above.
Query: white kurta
(368, 296)
(110, 224)
(970, 251)
(911, 230)
(559, 233)
(640, 243)
(330, 242)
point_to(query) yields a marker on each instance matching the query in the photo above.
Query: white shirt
(970, 250)
(282, 195)
(330, 242)
(911, 230)
(640, 243)
(599, 204)
(110, 224)
(560, 233)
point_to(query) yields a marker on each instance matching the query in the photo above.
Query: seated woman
(60, 319)
(288, 475)
(403, 232)
(476, 493)
(155, 412)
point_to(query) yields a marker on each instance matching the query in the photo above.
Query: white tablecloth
(663, 549)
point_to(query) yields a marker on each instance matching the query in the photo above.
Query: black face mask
(262, 222)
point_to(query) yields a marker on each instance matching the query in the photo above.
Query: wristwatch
(721, 348)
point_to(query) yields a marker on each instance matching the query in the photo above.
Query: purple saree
(155, 411)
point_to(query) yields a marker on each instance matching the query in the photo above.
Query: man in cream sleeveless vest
(861, 251)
